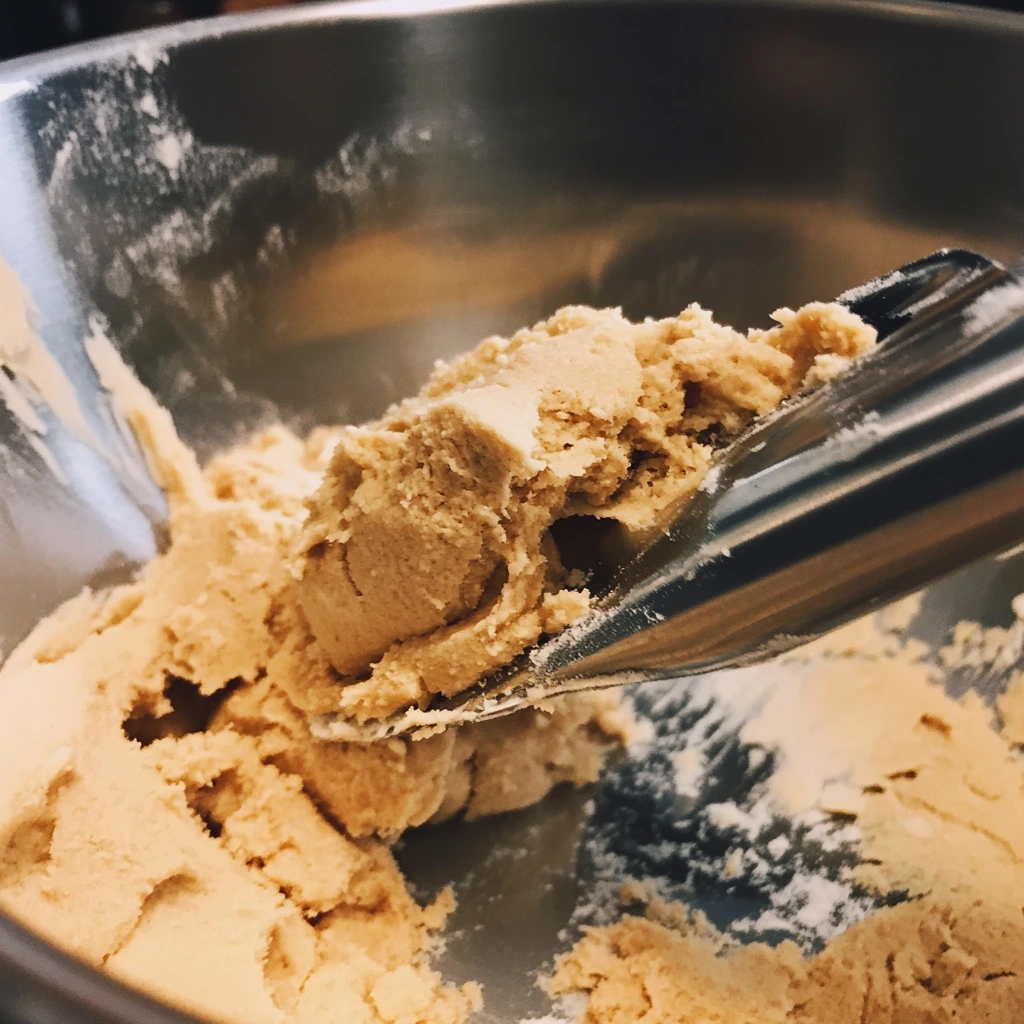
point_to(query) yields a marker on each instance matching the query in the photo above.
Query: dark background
(27, 26)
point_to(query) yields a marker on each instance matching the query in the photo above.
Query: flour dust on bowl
(279, 221)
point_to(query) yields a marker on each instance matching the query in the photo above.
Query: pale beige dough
(938, 795)
(237, 866)
(935, 961)
(108, 847)
(427, 558)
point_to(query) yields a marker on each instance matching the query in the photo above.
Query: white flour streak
(8, 90)
(170, 150)
(994, 306)
(148, 105)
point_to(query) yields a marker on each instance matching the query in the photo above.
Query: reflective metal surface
(292, 215)
(844, 500)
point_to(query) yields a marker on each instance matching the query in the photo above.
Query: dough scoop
(906, 467)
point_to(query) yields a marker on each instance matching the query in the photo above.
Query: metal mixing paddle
(908, 466)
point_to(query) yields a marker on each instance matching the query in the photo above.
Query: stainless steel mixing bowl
(292, 215)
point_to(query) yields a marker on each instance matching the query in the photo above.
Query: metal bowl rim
(23, 954)
(24, 73)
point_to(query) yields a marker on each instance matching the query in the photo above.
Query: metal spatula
(905, 468)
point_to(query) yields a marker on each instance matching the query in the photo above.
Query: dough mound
(428, 557)
(165, 813)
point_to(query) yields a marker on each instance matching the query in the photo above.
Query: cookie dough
(861, 728)
(165, 812)
(428, 558)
